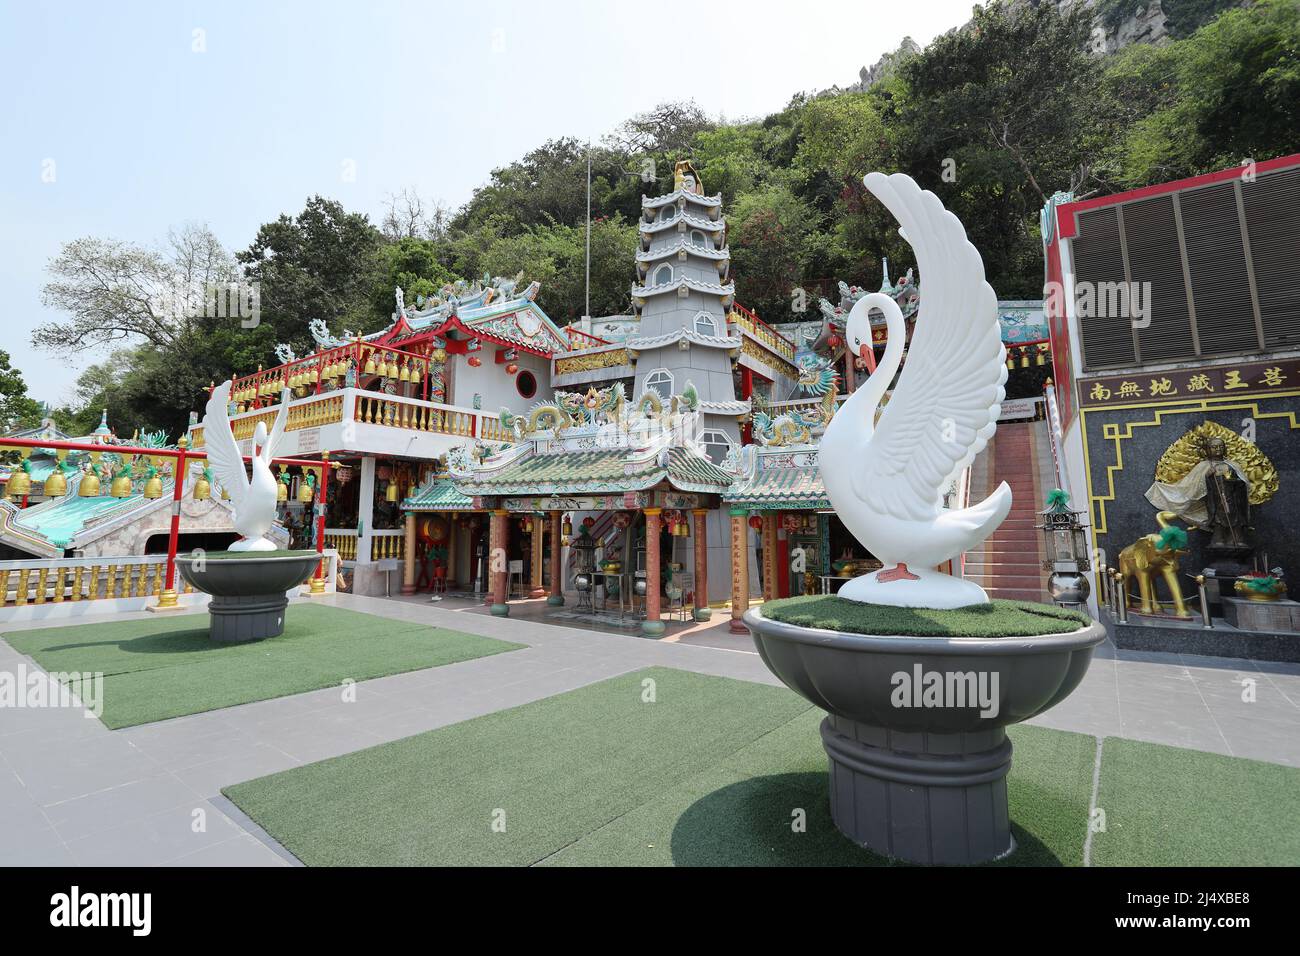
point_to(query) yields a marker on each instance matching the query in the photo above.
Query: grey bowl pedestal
(249, 593)
(919, 776)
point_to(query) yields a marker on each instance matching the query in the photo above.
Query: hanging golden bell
(370, 363)
(56, 486)
(202, 490)
(404, 374)
(305, 491)
(390, 493)
(281, 491)
(20, 483)
(121, 487)
(153, 487)
(89, 486)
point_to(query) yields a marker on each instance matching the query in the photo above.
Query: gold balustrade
(387, 547)
(396, 413)
(769, 338)
(58, 583)
(491, 429)
(344, 544)
(323, 411)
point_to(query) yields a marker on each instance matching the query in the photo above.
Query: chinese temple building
(1175, 334)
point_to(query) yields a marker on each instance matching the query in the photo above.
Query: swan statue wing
(945, 405)
(223, 452)
(267, 452)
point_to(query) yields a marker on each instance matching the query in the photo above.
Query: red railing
(263, 387)
(765, 333)
(183, 456)
(579, 339)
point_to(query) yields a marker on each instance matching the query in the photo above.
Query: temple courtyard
(438, 734)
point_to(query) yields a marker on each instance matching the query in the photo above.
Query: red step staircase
(1009, 563)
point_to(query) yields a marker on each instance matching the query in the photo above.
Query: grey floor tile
(115, 806)
(155, 839)
(243, 850)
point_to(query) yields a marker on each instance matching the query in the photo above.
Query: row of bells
(56, 486)
(410, 370)
(1040, 355)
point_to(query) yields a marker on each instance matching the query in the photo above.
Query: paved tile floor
(73, 792)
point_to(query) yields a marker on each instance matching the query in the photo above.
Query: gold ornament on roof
(1184, 454)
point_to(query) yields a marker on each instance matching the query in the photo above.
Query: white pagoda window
(663, 275)
(660, 380)
(697, 239)
(668, 212)
(716, 445)
(705, 325)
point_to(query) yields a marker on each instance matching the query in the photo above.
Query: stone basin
(248, 588)
(915, 727)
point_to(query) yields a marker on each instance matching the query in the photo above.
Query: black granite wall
(1129, 515)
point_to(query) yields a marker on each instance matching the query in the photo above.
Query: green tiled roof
(583, 472)
(771, 488)
(438, 495)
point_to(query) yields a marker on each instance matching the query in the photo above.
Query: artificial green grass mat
(1170, 807)
(711, 773)
(998, 618)
(168, 666)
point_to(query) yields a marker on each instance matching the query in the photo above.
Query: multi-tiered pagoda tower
(683, 295)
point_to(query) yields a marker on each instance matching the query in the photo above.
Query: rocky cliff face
(870, 75)
(1116, 24)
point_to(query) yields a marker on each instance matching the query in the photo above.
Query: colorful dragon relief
(817, 378)
(596, 407)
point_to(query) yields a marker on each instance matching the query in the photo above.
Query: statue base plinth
(916, 587)
(920, 797)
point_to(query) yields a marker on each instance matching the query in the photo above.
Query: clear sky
(158, 113)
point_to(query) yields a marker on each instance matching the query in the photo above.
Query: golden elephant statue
(1154, 554)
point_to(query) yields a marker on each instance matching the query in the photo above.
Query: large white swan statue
(887, 480)
(253, 499)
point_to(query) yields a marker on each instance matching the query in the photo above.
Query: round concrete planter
(248, 592)
(921, 776)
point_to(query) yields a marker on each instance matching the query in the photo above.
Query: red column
(702, 612)
(653, 623)
(537, 558)
(167, 600)
(497, 563)
(557, 568)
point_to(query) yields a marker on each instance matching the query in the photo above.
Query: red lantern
(512, 368)
(588, 521)
(833, 341)
(475, 361)
(755, 522)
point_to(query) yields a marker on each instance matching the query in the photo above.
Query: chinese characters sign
(1190, 383)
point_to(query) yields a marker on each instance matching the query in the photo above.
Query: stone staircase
(1009, 563)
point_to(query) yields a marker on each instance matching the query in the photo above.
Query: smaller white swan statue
(253, 498)
(886, 480)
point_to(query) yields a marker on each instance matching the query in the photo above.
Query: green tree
(1228, 93)
(319, 264)
(17, 409)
